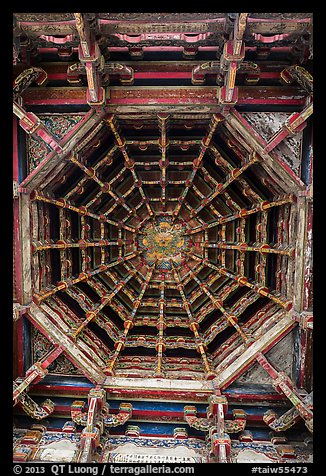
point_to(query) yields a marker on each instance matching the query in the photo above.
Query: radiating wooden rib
(128, 324)
(218, 304)
(196, 163)
(62, 203)
(229, 201)
(83, 180)
(101, 290)
(211, 278)
(105, 187)
(161, 325)
(261, 234)
(63, 252)
(195, 269)
(193, 325)
(86, 305)
(262, 291)
(102, 232)
(163, 163)
(84, 235)
(177, 163)
(188, 207)
(244, 247)
(130, 164)
(223, 238)
(169, 303)
(93, 312)
(234, 174)
(83, 244)
(63, 285)
(155, 142)
(241, 237)
(46, 261)
(243, 213)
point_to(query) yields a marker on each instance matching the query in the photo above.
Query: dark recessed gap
(272, 225)
(55, 265)
(75, 226)
(76, 261)
(90, 190)
(225, 150)
(252, 309)
(101, 334)
(249, 265)
(230, 231)
(72, 304)
(250, 228)
(73, 177)
(221, 338)
(54, 222)
(210, 319)
(143, 330)
(113, 316)
(86, 288)
(178, 331)
(181, 353)
(230, 260)
(95, 255)
(271, 266)
(142, 351)
(236, 193)
(252, 176)
(235, 296)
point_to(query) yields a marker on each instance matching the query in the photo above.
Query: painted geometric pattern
(59, 125)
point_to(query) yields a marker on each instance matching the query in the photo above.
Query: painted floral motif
(42, 346)
(59, 125)
(37, 151)
(62, 365)
(192, 443)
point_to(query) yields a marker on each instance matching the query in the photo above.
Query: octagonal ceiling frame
(271, 163)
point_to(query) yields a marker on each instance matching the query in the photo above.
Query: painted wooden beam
(163, 99)
(54, 161)
(38, 316)
(248, 357)
(273, 164)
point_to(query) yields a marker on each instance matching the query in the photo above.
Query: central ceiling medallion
(162, 242)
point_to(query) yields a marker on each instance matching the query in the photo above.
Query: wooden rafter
(264, 292)
(193, 324)
(129, 163)
(197, 163)
(128, 324)
(62, 203)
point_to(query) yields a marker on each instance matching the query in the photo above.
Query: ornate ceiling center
(163, 241)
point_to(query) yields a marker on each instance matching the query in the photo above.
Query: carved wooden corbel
(205, 424)
(289, 418)
(38, 412)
